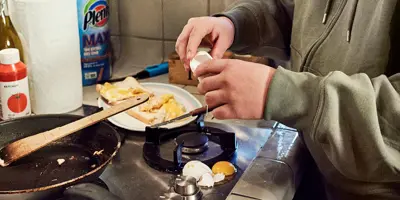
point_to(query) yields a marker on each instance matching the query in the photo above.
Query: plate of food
(166, 102)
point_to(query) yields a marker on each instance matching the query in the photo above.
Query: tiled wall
(144, 31)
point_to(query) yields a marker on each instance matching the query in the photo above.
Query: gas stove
(169, 150)
(149, 163)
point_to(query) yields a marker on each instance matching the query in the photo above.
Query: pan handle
(89, 191)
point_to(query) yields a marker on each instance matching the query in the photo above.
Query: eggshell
(219, 177)
(206, 180)
(195, 169)
(200, 57)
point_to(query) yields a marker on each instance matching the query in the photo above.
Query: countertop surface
(273, 173)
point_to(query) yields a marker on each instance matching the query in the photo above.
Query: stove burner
(193, 138)
(193, 142)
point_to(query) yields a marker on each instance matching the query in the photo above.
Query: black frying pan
(39, 175)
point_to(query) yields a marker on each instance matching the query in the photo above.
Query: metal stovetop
(129, 177)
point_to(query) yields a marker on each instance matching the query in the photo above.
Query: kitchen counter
(272, 171)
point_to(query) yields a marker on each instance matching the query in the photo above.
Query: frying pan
(39, 175)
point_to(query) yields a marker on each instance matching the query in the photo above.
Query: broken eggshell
(206, 180)
(195, 169)
(201, 56)
(219, 177)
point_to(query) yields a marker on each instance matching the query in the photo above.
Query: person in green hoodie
(341, 89)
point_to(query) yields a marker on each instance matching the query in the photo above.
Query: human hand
(219, 30)
(239, 88)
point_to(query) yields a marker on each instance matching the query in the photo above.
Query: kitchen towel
(50, 37)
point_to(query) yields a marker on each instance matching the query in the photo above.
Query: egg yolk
(224, 167)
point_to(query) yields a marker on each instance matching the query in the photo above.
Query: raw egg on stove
(224, 167)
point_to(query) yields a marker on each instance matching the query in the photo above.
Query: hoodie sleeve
(261, 26)
(354, 119)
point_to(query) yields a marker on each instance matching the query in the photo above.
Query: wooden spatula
(28, 145)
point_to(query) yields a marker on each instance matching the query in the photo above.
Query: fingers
(221, 45)
(214, 66)
(216, 98)
(224, 112)
(210, 83)
(181, 44)
(196, 36)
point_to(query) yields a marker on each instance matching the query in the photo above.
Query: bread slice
(157, 110)
(131, 82)
(114, 93)
(149, 118)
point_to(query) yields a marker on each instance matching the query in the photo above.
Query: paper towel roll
(49, 30)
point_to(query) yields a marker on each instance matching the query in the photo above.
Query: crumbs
(97, 153)
(60, 161)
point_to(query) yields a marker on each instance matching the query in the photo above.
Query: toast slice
(114, 93)
(157, 110)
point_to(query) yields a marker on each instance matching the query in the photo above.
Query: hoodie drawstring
(351, 20)
(326, 12)
(353, 11)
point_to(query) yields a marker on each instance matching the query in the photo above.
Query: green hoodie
(341, 89)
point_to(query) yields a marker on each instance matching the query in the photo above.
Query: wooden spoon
(23, 147)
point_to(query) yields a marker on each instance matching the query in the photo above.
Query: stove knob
(186, 185)
(171, 196)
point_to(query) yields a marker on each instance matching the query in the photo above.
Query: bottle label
(14, 99)
(94, 35)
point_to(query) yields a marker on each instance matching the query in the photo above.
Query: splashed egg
(195, 169)
(224, 167)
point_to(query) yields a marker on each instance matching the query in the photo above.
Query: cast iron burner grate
(191, 142)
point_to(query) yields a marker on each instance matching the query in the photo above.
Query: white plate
(125, 121)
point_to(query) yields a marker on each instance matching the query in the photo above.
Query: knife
(195, 112)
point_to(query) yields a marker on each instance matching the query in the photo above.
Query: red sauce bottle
(14, 88)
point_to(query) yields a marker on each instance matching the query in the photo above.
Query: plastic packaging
(14, 88)
(94, 34)
(49, 33)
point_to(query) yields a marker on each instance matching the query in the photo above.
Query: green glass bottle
(8, 35)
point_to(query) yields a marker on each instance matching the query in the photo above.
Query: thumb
(221, 45)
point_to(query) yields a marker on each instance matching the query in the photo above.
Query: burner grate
(156, 138)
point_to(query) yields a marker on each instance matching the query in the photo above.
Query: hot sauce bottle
(14, 88)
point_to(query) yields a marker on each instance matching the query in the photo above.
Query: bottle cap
(9, 56)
